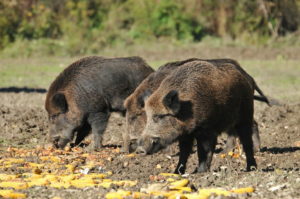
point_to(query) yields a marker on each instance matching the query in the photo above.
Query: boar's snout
(55, 140)
(141, 151)
(133, 145)
(59, 142)
(63, 142)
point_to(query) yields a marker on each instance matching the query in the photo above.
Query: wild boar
(82, 97)
(198, 101)
(134, 104)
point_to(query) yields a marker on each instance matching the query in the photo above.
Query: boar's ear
(59, 101)
(171, 100)
(145, 96)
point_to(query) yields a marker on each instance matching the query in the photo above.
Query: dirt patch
(23, 123)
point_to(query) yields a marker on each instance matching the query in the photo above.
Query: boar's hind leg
(82, 133)
(255, 137)
(206, 143)
(245, 135)
(230, 143)
(185, 149)
(98, 122)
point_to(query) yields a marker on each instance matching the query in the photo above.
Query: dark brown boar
(199, 101)
(134, 104)
(82, 97)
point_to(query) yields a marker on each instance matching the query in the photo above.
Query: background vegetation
(75, 27)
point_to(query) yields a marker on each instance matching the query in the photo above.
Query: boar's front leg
(185, 149)
(98, 122)
(126, 142)
(82, 133)
(206, 143)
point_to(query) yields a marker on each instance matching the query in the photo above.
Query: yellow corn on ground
(243, 190)
(36, 165)
(104, 184)
(45, 158)
(180, 183)
(169, 174)
(114, 196)
(177, 196)
(67, 178)
(33, 176)
(102, 180)
(130, 155)
(7, 177)
(124, 193)
(125, 183)
(170, 180)
(79, 182)
(187, 189)
(15, 185)
(207, 192)
(83, 185)
(95, 175)
(60, 184)
(14, 195)
(139, 195)
(164, 193)
(194, 196)
(51, 178)
(2, 192)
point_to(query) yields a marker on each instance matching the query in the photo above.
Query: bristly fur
(84, 94)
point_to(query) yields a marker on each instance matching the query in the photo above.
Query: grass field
(277, 78)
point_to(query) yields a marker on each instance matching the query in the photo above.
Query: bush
(74, 27)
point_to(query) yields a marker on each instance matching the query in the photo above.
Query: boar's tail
(262, 97)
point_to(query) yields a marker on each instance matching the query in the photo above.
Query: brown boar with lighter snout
(198, 101)
(134, 104)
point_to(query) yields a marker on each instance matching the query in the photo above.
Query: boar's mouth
(59, 142)
(63, 142)
(154, 147)
(55, 141)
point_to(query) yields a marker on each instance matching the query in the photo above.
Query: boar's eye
(157, 118)
(132, 118)
(54, 116)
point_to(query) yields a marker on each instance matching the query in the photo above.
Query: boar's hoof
(98, 147)
(252, 168)
(141, 151)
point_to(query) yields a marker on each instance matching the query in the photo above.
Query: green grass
(32, 73)
(278, 79)
(35, 72)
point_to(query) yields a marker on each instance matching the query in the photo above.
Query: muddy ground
(23, 122)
